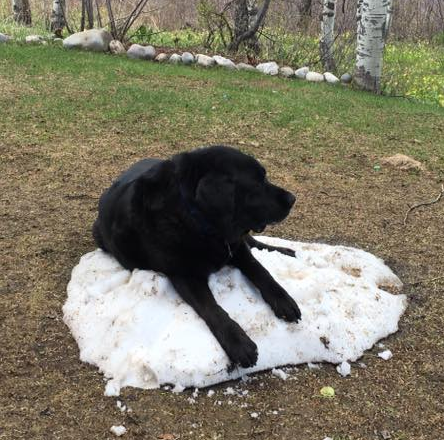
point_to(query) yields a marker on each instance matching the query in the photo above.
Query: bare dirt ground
(47, 392)
(48, 197)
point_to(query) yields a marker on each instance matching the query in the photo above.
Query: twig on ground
(325, 193)
(426, 281)
(80, 196)
(424, 204)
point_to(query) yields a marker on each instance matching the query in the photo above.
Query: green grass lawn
(71, 121)
(55, 91)
(410, 69)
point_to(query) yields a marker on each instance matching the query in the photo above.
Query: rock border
(266, 68)
(149, 53)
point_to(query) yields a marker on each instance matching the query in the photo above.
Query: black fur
(189, 216)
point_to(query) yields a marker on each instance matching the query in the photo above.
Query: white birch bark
(370, 44)
(57, 15)
(327, 39)
(358, 11)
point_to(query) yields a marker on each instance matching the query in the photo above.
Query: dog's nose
(290, 199)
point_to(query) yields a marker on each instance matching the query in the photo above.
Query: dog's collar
(205, 227)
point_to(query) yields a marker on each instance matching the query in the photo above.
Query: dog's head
(231, 190)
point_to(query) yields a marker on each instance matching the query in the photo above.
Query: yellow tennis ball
(328, 392)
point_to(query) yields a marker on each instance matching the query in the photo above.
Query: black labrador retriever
(189, 216)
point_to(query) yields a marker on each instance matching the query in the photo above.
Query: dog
(189, 216)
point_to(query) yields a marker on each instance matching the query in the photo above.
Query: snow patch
(136, 329)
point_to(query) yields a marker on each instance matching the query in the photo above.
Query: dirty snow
(118, 430)
(344, 369)
(279, 373)
(386, 355)
(138, 332)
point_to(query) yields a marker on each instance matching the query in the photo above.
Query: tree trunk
(247, 22)
(304, 13)
(99, 16)
(22, 12)
(58, 15)
(82, 16)
(241, 21)
(370, 44)
(388, 21)
(327, 39)
(244, 15)
(89, 13)
(112, 21)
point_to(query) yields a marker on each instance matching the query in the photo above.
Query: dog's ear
(215, 196)
(155, 187)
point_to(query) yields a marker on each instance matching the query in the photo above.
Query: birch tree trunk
(58, 15)
(327, 39)
(370, 44)
(22, 12)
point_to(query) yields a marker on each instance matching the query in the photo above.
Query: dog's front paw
(284, 306)
(241, 350)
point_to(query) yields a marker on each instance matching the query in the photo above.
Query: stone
(270, 68)
(314, 77)
(161, 58)
(402, 162)
(187, 58)
(301, 73)
(34, 39)
(205, 60)
(150, 53)
(286, 72)
(346, 78)
(224, 62)
(4, 38)
(175, 58)
(116, 47)
(136, 51)
(330, 78)
(245, 66)
(96, 40)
